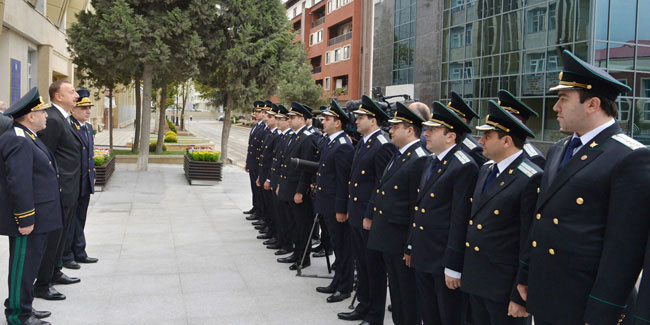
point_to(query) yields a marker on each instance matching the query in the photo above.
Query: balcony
(316, 69)
(318, 21)
(339, 39)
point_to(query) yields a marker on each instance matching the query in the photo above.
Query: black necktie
(434, 165)
(575, 142)
(491, 177)
(84, 132)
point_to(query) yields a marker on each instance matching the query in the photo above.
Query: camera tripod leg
(307, 245)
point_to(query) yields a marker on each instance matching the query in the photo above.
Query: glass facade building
(516, 45)
(404, 42)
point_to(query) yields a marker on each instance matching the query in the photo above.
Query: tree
(247, 42)
(298, 84)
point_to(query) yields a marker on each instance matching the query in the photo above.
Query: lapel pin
(584, 157)
(593, 144)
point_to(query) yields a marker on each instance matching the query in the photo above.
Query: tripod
(308, 250)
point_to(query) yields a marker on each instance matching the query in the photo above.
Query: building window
(327, 83)
(295, 12)
(328, 57)
(536, 20)
(404, 41)
(456, 38)
(32, 60)
(551, 17)
(535, 62)
(346, 52)
(468, 35)
(337, 55)
(316, 38)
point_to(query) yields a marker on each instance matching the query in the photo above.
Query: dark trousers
(25, 254)
(303, 216)
(340, 236)
(438, 304)
(269, 211)
(376, 285)
(359, 242)
(288, 224)
(488, 312)
(75, 244)
(401, 284)
(51, 265)
(325, 238)
(257, 204)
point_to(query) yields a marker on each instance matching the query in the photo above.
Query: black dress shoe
(353, 315)
(338, 296)
(71, 265)
(327, 289)
(390, 308)
(270, 241)
(364, 323)
(265, 236)
(289, 259)
(49, 294)
(283, 251)
(253, 217)
(64, 279)
(294, 266)
(87, 260)
(251, 211)
(40, 314)
(260, 227)
(321, 253)
(273, 246)
(32, 320)
(257, 222)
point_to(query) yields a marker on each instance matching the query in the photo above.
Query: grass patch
(166, 153)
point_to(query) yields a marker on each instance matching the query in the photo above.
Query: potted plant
(202, 164)
(104, 166)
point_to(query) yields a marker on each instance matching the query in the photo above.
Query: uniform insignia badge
(530, 150)
(469, 144)
(420, 152)
(527, 169)
(627, 141)
(462, 157)
(342, 140)
(381, 138)
(19, 132)
(593, 144)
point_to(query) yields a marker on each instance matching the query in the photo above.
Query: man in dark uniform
(393, 211)
(260, 224)
(293, 190)
(266, 159)
(284, 227)
(30, 204)
(502, 209)
(66, 146)
(437, 234)
(466, 113)
(331, 200)
(521, 111)
(591, 224)
(371, 156)
(642, 312)
(251, 159)
(75, 246)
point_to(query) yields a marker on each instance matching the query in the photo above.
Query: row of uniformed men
(46, 179)
(565, 245)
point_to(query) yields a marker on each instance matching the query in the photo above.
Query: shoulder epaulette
(307, 132)
(381, 138)
(342, 140)
(530, 150)
(469, 144)
(489, 162)
(462, 157)
(19, 132)
(527, 169)
(420, 152)
(627, 141)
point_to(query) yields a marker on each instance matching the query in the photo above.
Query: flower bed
(104, 166)
(202, 164)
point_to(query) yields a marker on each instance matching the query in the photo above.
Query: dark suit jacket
(368, 165)
(6, 123)
(87, 161)
(642, 312)
(441, 212)
(66, 145)
(474, 149)
(394, 201)
(254, 142)
(29, 189)
(499, 226)
(278, 155)
(535, 155)
(293, 180)
(333, 175)
(590, 230)
(266, 155)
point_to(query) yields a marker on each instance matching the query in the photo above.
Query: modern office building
(337, 43)
(477, 47)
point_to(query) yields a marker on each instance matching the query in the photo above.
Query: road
(237, 143)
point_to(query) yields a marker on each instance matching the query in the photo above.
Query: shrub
(171, 137)
(152, 146)
(171, 126)
(203, 154)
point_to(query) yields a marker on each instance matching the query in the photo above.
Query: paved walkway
(171, 253)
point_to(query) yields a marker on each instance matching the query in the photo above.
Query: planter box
(202, 172)
(103, 173)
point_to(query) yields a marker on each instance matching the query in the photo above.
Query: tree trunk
(138, 116)
(225, 132)
(161, 120)
(184, 94)
(110, 118)
(143, 155)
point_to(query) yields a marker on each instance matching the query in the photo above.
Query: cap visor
(360, 112)
(431, 123)
(395, 121)
(291, 114)
(562, 87)
(485, 127)
(327, 113)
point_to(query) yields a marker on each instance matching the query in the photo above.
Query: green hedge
(152, 146)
